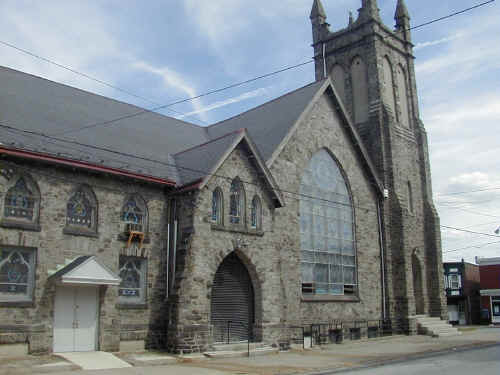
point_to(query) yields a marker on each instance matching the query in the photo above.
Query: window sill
(14, 224)
(17, 304)
(235, 228)
(132, 306)
(74, 231)
(330, 298)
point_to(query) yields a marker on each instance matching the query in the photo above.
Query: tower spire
(317, 11)
(402, 17)
(369, 9)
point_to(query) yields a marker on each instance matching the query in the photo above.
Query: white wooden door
(75, 319)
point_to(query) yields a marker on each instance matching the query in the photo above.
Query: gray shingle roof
(269, 123)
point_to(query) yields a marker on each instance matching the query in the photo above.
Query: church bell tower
(372, 69)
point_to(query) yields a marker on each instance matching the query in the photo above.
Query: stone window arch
(21, 204)
(404, 106)
(256, 213)
(389, 94)
(217, 206)
(81, 212)
(237, 202)
(338, 78)
(410, 198)
(328, 251)
(359, 79)
(135, 213)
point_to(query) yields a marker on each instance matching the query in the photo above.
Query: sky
(163, 51)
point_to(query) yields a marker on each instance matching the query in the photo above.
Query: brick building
(316, 206)
(461, 280)
(489, 270)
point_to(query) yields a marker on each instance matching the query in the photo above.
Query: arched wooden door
(232, 305)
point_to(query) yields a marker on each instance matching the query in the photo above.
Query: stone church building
(122, 228)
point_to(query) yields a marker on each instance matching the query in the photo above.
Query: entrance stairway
(435, 327)
(239, 349)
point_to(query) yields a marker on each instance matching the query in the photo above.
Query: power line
(452, 15)
(471, 246)
(470, 231)
(471, 211)
(138, 113)
(470, 191)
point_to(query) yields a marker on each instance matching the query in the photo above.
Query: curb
(407, 357)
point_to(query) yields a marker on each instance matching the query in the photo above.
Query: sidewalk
(333, 357)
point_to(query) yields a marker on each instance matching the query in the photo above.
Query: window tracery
(132, 271)
(81, 212)
(256, 213)
(236, 202)
(217, 206)
(328, 255)
(135, 212)
(16, 273)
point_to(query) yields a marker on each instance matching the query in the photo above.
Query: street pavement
(484, 361)
(324, 359)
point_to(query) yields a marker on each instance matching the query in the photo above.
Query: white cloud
(436, 42)
(176, 81)
(223, 103)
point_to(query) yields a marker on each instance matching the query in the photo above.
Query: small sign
(455, 292)
(453, 270)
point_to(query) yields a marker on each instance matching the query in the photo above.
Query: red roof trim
(83, 165)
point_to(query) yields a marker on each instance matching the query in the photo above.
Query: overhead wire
(210, 92)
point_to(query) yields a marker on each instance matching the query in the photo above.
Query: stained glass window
(80, 210)
(132, 213)
(236, 202)
(217, 206)
(328, 261)
(20, 201)
(16, 273)
(256, 213)
(133, 274)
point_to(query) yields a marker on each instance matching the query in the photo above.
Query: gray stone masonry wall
(400, 155)
(272, 255)
(34, 324)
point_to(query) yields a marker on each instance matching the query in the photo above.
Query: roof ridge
(241, 130)
(266, 103)
(99, 95)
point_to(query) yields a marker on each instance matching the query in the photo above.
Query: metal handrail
(244, 326)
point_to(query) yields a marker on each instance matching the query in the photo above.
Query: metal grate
(232, 307)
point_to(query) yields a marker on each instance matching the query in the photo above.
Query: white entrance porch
(76, 305)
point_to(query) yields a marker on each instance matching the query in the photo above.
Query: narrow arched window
(328, 255)
(236, 202)
(21, 205)
(389, 96)
(81, 212)
(410, 197)
(404, 105)
(359, 79)
(338, 77)
(256, 213)
(217, 206)
(134, 214)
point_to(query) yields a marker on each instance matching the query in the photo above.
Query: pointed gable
(86, 270)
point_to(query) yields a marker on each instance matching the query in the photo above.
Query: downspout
(324, 60)
(382, 260)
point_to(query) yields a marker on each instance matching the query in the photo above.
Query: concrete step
(236, 346)
(241, 353)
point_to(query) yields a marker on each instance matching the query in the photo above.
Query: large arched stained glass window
(134, 213)
(328, 255)
(81, 212)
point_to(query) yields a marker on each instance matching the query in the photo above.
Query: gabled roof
(199, 163)
(86, 270)
(36, 104)
(268, 123)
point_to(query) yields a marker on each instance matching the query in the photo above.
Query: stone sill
(17, 304)
(13, 224)
(237, 229)
(132, 306)
(327, 298)
(80, 232)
